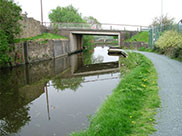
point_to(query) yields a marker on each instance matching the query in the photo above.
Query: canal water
(56, 97)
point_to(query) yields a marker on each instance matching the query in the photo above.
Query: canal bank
(131, 108)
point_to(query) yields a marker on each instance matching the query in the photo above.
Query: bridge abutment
(75, 42)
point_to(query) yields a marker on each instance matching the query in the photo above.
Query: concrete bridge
(75, 31)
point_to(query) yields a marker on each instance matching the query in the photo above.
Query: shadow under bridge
(76, 37)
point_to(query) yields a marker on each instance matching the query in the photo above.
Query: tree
(91, 20)
(67, 14)
(166, 21)
(9, 19)
(9, 28)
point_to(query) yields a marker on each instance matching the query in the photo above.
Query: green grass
(145, 49)
(140, 37)
(130, 110)
(42, 37)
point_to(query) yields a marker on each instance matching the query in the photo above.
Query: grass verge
(145, 49)
(130, 110)
(44, 36)
(140, 37)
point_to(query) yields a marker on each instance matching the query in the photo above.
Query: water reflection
(62, 84)
(48, 98)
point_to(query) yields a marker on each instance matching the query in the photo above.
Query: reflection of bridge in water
(100, 68)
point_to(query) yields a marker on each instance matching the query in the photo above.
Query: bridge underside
(76, 37)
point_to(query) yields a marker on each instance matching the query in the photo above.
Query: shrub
(4, 46)
(170, 43)
(169, 39)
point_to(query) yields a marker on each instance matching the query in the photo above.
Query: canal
(56, 97)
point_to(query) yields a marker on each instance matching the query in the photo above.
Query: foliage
(115, 37)
(72, 83)
(130, 110)
(4, 47)
(140, 37)
(88, 44)
(43, 36)
(165, 21)
(14, 111)
(169, 39)
(91, 20)
(67, 14)
(145, 49)
(9, 28)
(127, 35)
(170, 43)
(88, 41)
(9, 19)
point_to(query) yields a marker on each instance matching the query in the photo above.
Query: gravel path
(169, 117)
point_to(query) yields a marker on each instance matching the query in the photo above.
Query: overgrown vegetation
(67, 14)
(4, 47)
(170, 43)
(162, 20)
(88, 44)
(140, 37)
(9, 28)
(130, 110)
(44, 36)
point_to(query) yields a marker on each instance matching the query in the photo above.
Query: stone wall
(36, 51)
(135, 45)
(30, 27)
(44, 51)
(17, 55)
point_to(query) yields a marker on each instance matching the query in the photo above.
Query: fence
(156, 32)
(103, 26)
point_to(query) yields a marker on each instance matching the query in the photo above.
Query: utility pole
(41, 12)
(161, 12)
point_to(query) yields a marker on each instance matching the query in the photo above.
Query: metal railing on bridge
(103, 26)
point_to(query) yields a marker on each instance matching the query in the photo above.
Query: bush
(4, 46)
(9, 19)
(169, 39)
(170, 43)
(9, 28)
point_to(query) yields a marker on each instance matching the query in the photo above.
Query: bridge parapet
(103, 26)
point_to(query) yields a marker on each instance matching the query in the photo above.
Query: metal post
(47, 100)
(110, 27)
(41, 11)
(161, 14)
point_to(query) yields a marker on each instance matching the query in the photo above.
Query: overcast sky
(134, 12)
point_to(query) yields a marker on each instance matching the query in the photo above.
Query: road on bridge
(169, 117)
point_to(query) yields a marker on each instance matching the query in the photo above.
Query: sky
(132, 12)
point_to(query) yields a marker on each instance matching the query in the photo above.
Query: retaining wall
(34, 51)
(135, 45)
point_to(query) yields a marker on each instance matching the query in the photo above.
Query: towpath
(169, 117)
